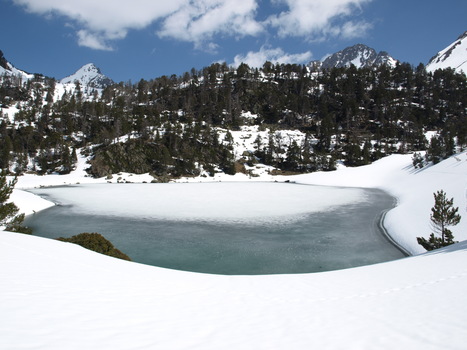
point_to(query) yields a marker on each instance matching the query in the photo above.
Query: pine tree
(417, 161)
(443, 214)
(8, 210)
(435, 152)
(293, 157)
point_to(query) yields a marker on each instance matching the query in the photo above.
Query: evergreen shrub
(96, 242)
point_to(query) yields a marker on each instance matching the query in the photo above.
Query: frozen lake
(226, 228)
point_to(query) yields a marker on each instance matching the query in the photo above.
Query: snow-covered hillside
(454, 56)
(6, 68)
(57, 295)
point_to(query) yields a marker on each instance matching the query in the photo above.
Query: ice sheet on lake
(236, 202)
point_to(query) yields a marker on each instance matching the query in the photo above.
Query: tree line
(171, 124)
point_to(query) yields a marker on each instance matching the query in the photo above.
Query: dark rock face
(3, 61)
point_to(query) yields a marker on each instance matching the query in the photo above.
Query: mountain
(454, 56)
(3, 61)
(8, 69)
(361, 56)
(88, 76)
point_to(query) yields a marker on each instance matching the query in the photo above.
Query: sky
(145, 39)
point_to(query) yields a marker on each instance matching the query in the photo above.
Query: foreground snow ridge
(60, 296)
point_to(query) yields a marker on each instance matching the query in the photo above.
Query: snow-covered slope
(454, 56)
(57, 295)
(8, 69)
(361, 56)
(88, 76)
(412, 188)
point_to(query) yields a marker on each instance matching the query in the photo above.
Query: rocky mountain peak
(360, 56)
(88, 76)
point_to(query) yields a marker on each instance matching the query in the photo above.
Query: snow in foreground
(60, 296)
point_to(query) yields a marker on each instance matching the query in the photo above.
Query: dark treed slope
(171, 126)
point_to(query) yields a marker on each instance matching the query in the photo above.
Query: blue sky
(130, 40)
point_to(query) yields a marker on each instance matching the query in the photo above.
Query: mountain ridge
(453, 56)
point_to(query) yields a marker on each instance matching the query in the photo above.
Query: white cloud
(100, 22)
(351, 30)
(93, 41)
(198, 21)
(274, 55)
(195, 21)
(316, 19)
(104, 20)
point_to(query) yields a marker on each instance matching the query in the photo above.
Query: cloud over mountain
(199, 21)
(274, 55)
(318, 19)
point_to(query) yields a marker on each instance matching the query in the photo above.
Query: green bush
(97, 243)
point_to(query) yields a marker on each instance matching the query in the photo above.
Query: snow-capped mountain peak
(454, 56)
(360, 56)
(88, 76)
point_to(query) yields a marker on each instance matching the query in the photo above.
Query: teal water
(343, 237)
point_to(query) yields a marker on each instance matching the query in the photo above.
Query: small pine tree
(436, 151)
(417, 161)
(8, 210)
(443, 214)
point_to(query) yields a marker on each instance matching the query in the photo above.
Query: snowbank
(59, 296)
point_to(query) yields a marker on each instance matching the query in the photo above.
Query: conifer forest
(174, 126)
